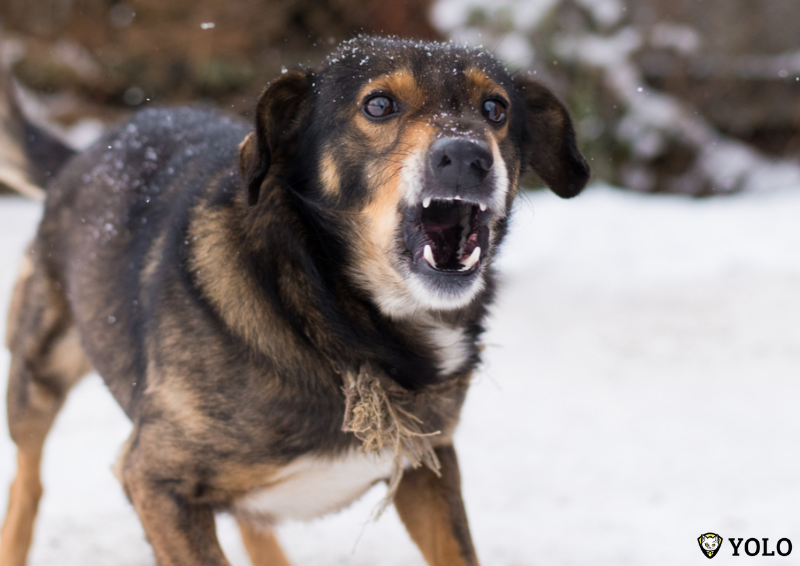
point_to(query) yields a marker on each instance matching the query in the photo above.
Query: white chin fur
(428, 297)
(407, 294)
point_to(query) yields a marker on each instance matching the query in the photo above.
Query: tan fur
(247, 152)
(235, 296)
(329, 174)
(47, 360)
(481, 87)
(25, 273)
(262, 546)
(433, 512)
(162, 514)
(381, 217)
(154, 255)
(179, 403)
(68, 358)
(13, 163)
(23, 502)
(403, 86)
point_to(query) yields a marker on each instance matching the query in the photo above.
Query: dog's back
(122, 207)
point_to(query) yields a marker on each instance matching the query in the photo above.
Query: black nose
(460, 163)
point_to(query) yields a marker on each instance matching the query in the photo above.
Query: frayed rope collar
(379, 412)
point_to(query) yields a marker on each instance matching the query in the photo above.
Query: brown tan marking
(400, 84)
(247, 153)
(329, 173)
(236, 297)
(262, 545)
(47, 360)
(380, 219)
(23, 502)
(479, 87)
(181, 533)
(23, 280)
(433, 512)
(179, 402)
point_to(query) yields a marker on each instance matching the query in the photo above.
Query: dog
(289, 312)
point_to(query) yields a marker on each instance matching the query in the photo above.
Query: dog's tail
(29, 154)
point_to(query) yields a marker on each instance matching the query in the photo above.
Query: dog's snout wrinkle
(460, 163)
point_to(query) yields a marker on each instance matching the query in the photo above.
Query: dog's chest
(451, 346)
(310, 487)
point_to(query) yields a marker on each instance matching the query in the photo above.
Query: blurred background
(677, 96)
(640, 377)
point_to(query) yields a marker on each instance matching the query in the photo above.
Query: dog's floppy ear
(278, 116)
(549, 144)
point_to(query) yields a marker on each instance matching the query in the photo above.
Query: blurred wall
(734, 64)
(729, 66)
(122, 53)
(742, 72)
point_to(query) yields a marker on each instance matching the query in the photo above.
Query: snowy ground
(641, 387)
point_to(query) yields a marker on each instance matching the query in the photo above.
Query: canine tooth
(426, 202)
(428, 255)
(456, 197)
(483, 208)
(472, 259)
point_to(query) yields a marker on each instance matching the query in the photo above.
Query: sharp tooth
(428, 255)
(472, 259)
(483, 208)
(456, 197)
(426, 202)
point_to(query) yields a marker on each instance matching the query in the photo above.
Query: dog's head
(411, 153)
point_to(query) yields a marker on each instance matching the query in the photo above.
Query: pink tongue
(469, 246)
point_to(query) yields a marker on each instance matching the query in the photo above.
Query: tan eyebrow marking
(401, 84)
(479, 87)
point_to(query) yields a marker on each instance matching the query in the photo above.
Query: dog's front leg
(433, 512)
(181, 532)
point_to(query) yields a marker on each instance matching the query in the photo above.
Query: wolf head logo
(710, 544)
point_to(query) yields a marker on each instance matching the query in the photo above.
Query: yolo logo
(752, 547)
(710, 544)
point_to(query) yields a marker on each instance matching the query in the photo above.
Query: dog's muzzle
(447, 232)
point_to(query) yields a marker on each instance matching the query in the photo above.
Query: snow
(640, 388)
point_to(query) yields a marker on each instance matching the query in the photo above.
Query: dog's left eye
(494, 110)
(379, 106)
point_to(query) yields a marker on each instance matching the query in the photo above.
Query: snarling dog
(288, 313)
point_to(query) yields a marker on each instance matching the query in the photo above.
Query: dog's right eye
(379, 106)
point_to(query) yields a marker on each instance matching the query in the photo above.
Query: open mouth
(447, 236)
